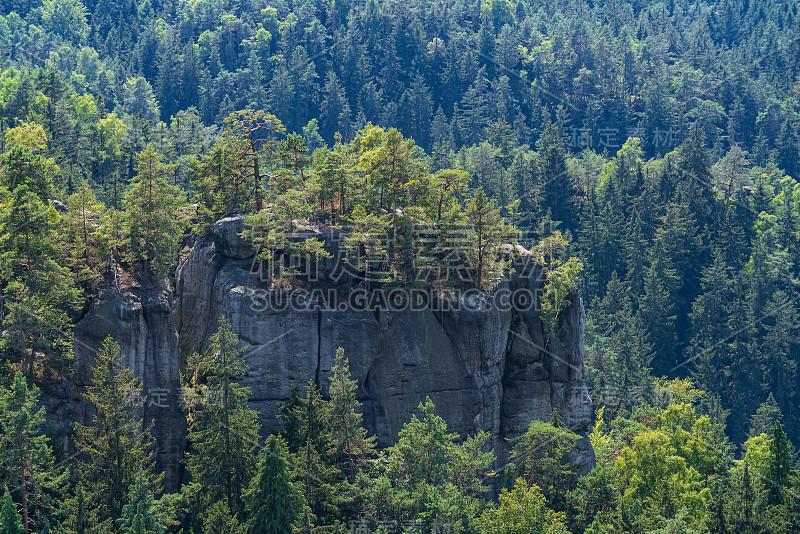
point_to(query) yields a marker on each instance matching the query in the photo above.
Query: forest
(646, 153)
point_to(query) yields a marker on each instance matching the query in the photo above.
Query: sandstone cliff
(484, 368)
(143, 323)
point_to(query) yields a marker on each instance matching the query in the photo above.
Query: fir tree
(273, 502)
(558, 191)
(117, 444)
(223, 430)
(26, 460)
(780, 465)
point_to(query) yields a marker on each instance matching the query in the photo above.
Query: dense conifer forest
(647, 153)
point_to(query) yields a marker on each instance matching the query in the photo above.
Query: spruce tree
(116, 443)
(26, 460)
(274, 503)
(780, 465)
(223, 430)
(349, 440)
(558, 190)
(139, 515)
(10, 522)
(422, 448)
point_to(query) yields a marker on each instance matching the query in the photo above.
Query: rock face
(144, 326)
(484, 367)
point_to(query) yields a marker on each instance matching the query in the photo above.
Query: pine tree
(117, 444)
(152, 218)
(84, 235)
(273, 502)
(223, 430)
(252, 138)
(348, 438)
(487, 233)
(538, 456)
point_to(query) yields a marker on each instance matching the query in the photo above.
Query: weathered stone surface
(485, 369)
(144, 326)
(227, 240)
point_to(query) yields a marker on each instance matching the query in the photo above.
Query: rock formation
(486, 368)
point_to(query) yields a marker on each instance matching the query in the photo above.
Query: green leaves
(152, 217)
(523, 510)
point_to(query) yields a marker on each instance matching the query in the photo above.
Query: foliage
(223, 430)
(117, 445)
(523, 510)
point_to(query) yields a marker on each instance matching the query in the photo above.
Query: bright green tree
(523, 510)
(65, 18)
(10, 522)
(38, 290)
(538, 456)
(422, 448)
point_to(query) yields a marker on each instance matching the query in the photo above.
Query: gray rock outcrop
(143, 324)
(485, 368)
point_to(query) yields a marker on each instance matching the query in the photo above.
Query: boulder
(228, 240)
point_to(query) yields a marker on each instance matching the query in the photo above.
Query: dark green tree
(116, 443)
(223, 430)
(274, 503)
(26, 459)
